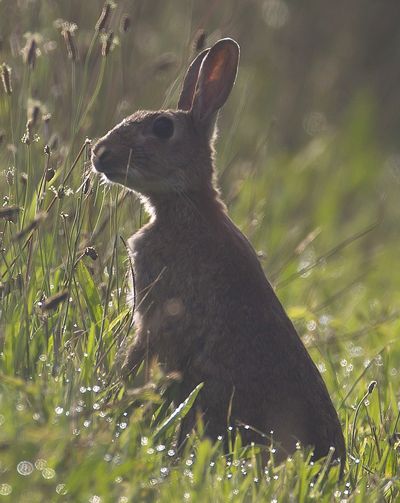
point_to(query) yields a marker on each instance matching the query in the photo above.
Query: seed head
(35, 114)
(107, 44)
(199, 40)
(104, 16)
(39, 218)
(70, 43)
(29, 53)
(90, 251)
(9, 213)
(371, 386)
(125, 23)
(6, 78)
(28, 136)
(53, 302)
(50, 174)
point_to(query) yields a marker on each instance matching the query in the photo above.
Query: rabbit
(203, 305)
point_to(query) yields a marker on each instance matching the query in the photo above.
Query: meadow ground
(323, 216)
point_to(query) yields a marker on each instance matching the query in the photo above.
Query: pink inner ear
(217, 70)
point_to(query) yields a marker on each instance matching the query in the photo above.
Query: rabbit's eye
(163, 127)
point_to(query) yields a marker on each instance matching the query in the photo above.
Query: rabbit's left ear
(215, 81)
(189, 84)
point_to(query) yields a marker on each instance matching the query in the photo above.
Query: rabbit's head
(170, 151)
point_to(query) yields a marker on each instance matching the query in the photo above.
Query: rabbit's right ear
(215, 81)
(189, 84)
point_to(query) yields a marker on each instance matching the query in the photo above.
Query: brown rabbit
(203, 304)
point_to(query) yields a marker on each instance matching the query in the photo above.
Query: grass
(324, 219)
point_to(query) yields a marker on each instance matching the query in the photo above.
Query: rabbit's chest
(162, 297)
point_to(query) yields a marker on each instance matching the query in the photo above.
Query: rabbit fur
(203, 304)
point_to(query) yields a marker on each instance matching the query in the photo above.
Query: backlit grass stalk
(370, 389)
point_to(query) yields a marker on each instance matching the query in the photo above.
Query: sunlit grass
(325, 223)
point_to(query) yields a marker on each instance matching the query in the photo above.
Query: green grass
(324, 218)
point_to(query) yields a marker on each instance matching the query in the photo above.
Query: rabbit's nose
(101, 152)
(102, 157)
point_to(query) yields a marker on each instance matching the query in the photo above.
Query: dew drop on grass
(48, 473)
(159, 448)
(59, 410)
(171, 453)
(96, 406)
(40, 464)
(25, 468)
(96, 389)
(61, 489)
(5, 489)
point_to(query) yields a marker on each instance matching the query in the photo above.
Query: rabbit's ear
(189, 84)
(216, 78)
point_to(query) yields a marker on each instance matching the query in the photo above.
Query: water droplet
(96, 406)
(48, 473)
(171, 452)
(61, 489)
(59, 410)
(40, 464)
(160, 448)
(24, 468)
(96, 389)
(5, 489)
